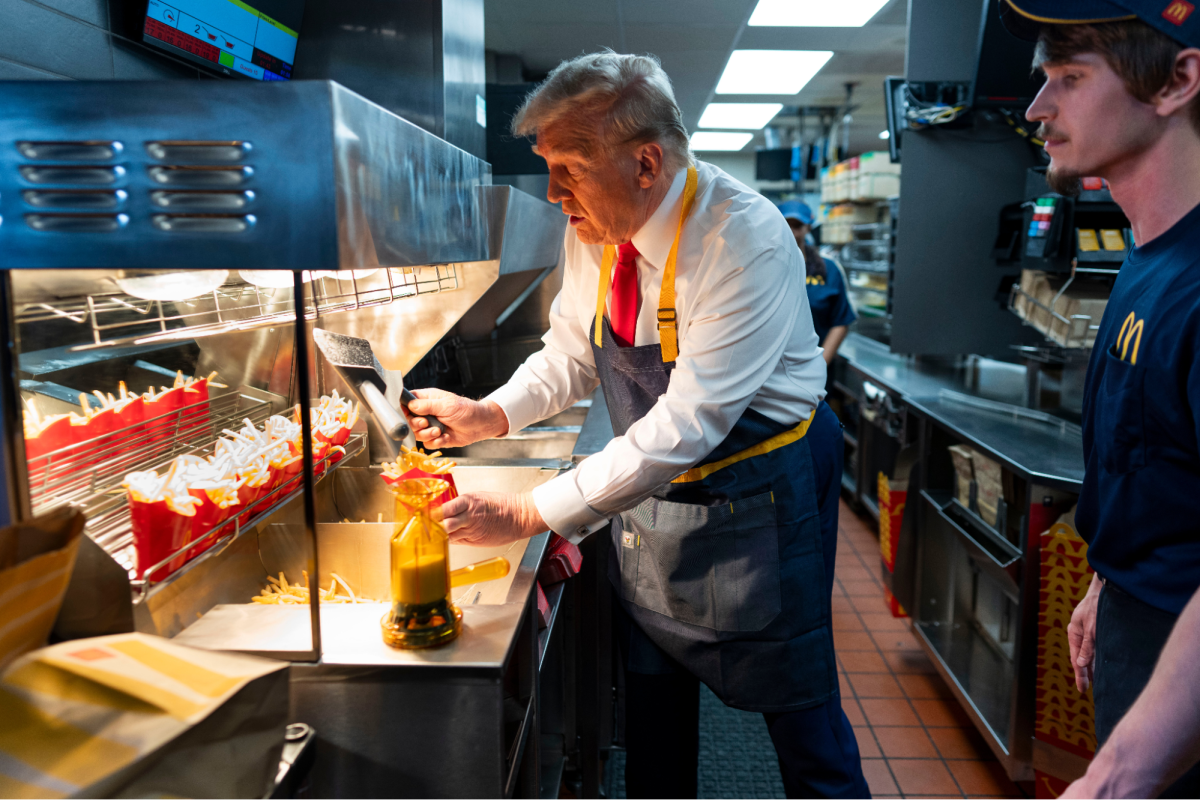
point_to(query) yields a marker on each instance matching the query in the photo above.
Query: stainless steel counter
(1029, 443)
(1050, 453)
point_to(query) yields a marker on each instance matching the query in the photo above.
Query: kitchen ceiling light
(739, 116)
(885, 134)
(771, 71)
(815, 13)
(717, 140)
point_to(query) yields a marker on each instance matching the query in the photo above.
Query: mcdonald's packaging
(36, 561)
(133, 715)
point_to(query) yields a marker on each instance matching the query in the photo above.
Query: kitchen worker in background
(1120, 102)
(682, 299)
(827, 296)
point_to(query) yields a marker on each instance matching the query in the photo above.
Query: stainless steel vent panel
(337, 180)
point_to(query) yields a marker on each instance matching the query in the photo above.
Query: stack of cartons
(876, 177)
(1079, 300)
(1064, 718)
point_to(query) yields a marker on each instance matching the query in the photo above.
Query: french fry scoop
(356, 363)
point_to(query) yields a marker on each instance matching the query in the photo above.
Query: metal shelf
(83, 474)
(116, 318)
(1078, 326)
(89, 474)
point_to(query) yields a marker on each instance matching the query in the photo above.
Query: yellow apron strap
(610, 255)
(774, 443)
(668, 336)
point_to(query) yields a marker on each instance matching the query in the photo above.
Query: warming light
(815, 13)
(771, 71)
(718, 140)
(739, 116)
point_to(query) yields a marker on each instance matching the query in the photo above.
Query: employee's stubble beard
(1063, 181)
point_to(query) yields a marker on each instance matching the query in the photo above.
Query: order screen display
(231, 36)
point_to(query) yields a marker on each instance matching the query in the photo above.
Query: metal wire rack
(117, 318)
(112, 526)
(89, 475)
(84, 473)
(1077, 331)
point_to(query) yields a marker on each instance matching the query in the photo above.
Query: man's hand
(466, 421)
(488, 519)
(1081, 633)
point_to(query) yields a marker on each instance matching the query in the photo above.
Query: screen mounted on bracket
(254, 39)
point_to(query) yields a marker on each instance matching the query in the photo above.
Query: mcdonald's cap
(1177, 19)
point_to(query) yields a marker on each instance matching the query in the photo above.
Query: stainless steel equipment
(170, 229)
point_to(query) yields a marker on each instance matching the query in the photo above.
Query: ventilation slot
(70, 151)
(201, 177)
(185, 151)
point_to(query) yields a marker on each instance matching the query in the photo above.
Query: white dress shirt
(746, 339)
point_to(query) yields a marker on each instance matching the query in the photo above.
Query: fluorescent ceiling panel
(815, 13)
(739, 116)
(771, 71)
(716, 140)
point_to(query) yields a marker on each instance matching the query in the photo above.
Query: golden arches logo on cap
(1178, 12)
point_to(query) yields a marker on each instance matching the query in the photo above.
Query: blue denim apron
(725, 575)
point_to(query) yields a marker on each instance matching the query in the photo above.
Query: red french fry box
(248, 495)
(208, 516)
(162, 420)
(445, 497)
(194, 402)
(543, 609)
(94, 437)
(320, 450)
(339, 438)
(55, 436)
(157, 533)
(563, 560)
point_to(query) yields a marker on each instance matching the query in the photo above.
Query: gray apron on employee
(722, 569)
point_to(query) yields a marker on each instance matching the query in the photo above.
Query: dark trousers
(818, 754)
(1130, 635)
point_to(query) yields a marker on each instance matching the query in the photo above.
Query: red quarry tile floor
(914, 739)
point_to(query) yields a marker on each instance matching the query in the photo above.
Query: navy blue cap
(796, 209)
(1175, 18)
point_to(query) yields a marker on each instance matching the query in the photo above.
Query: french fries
(278, 592)
(411, 458)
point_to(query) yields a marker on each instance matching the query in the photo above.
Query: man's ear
(1183, 85)
(650, 163)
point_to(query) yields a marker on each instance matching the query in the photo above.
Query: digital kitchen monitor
(255, 39)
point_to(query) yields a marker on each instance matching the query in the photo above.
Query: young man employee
(1120, 102)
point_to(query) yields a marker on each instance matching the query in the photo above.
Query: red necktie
(622, 312)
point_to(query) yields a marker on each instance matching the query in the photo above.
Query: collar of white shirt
(654, 239)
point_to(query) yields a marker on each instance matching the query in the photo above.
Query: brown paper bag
(137, 716)
(36, 559)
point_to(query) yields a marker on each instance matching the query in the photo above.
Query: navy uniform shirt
(1139, 509)
(829, 301)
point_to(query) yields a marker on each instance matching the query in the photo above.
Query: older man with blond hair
(683, 299)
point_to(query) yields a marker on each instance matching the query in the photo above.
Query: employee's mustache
(1045, 132)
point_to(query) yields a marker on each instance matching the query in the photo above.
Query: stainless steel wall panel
(404, 196)
(463, 74)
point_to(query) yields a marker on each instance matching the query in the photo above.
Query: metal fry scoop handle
(356, 363)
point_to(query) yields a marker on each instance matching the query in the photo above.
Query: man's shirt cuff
(561, 504)
(517, 404)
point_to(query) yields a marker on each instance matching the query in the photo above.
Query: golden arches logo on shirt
(1129, 340)
(815, 280)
